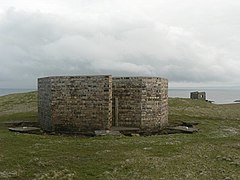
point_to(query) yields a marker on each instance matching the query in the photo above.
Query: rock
(107, 132)
(183, 129)
(189, 124)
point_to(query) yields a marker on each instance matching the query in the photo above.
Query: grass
(18, 106)
(201, 109)
(212, 153)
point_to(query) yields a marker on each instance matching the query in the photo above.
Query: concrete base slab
(31, 130)
(107, 132)
(183, 129)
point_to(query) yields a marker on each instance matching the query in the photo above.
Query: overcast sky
(190, 42)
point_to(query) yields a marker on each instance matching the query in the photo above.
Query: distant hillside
(18, 106)
(201, 109)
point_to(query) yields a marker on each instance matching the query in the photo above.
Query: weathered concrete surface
(129, 131)
(107, 132)
(30, 130)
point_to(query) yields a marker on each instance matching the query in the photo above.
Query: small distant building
(198, 95)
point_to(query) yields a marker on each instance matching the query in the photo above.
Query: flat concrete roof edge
(107, 75)
(74, 76)
(138, 77)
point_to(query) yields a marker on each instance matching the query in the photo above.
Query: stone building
(75, 103)
(198, 95)
(83, 103)
(140, 102)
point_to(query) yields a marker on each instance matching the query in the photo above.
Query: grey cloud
(36, 44)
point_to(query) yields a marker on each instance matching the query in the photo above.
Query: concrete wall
(154, 102)
(128, 92)
(44, 103)
(141, 102)
(76, 103)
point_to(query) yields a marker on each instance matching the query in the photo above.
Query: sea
(217, 95)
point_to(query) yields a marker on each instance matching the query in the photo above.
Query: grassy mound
(212, 153)
(18, 106)
(200, 109)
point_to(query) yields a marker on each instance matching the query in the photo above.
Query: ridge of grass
(203, 109)
(19, 106)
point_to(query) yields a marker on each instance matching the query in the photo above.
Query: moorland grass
(212, 153)
(18, 106)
